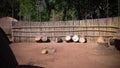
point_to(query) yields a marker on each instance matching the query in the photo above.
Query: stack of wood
(82, 39)
(75, 38)
(68, 38)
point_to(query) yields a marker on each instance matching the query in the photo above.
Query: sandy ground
(67, 55)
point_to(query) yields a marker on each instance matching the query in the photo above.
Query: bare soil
(67, 55)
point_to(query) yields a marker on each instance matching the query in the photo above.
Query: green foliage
(67, 9)
(31, 10)
(26, 8)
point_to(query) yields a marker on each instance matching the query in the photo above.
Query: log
(75, 38)
(38, 38)
(82, 39)
(45, 39)
(59, 40)
(101, 40)
(68, 38)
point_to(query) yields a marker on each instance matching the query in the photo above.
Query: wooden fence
(91, 28)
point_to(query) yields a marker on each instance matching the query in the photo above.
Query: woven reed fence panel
(91, 28)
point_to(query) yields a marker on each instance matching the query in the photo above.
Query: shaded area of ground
(67, 55)
(7, 57)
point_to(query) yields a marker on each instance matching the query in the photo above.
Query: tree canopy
(54, 10)
(9, 8)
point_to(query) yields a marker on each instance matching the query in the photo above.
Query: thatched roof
(8, 19)
(6, 22)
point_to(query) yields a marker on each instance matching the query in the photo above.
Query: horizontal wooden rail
(101, 26)
(59, 36)
(49, 31)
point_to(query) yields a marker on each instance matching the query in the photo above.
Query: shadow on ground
(28, 66)
(7, 58)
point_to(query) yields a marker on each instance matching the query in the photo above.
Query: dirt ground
(67, 55)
